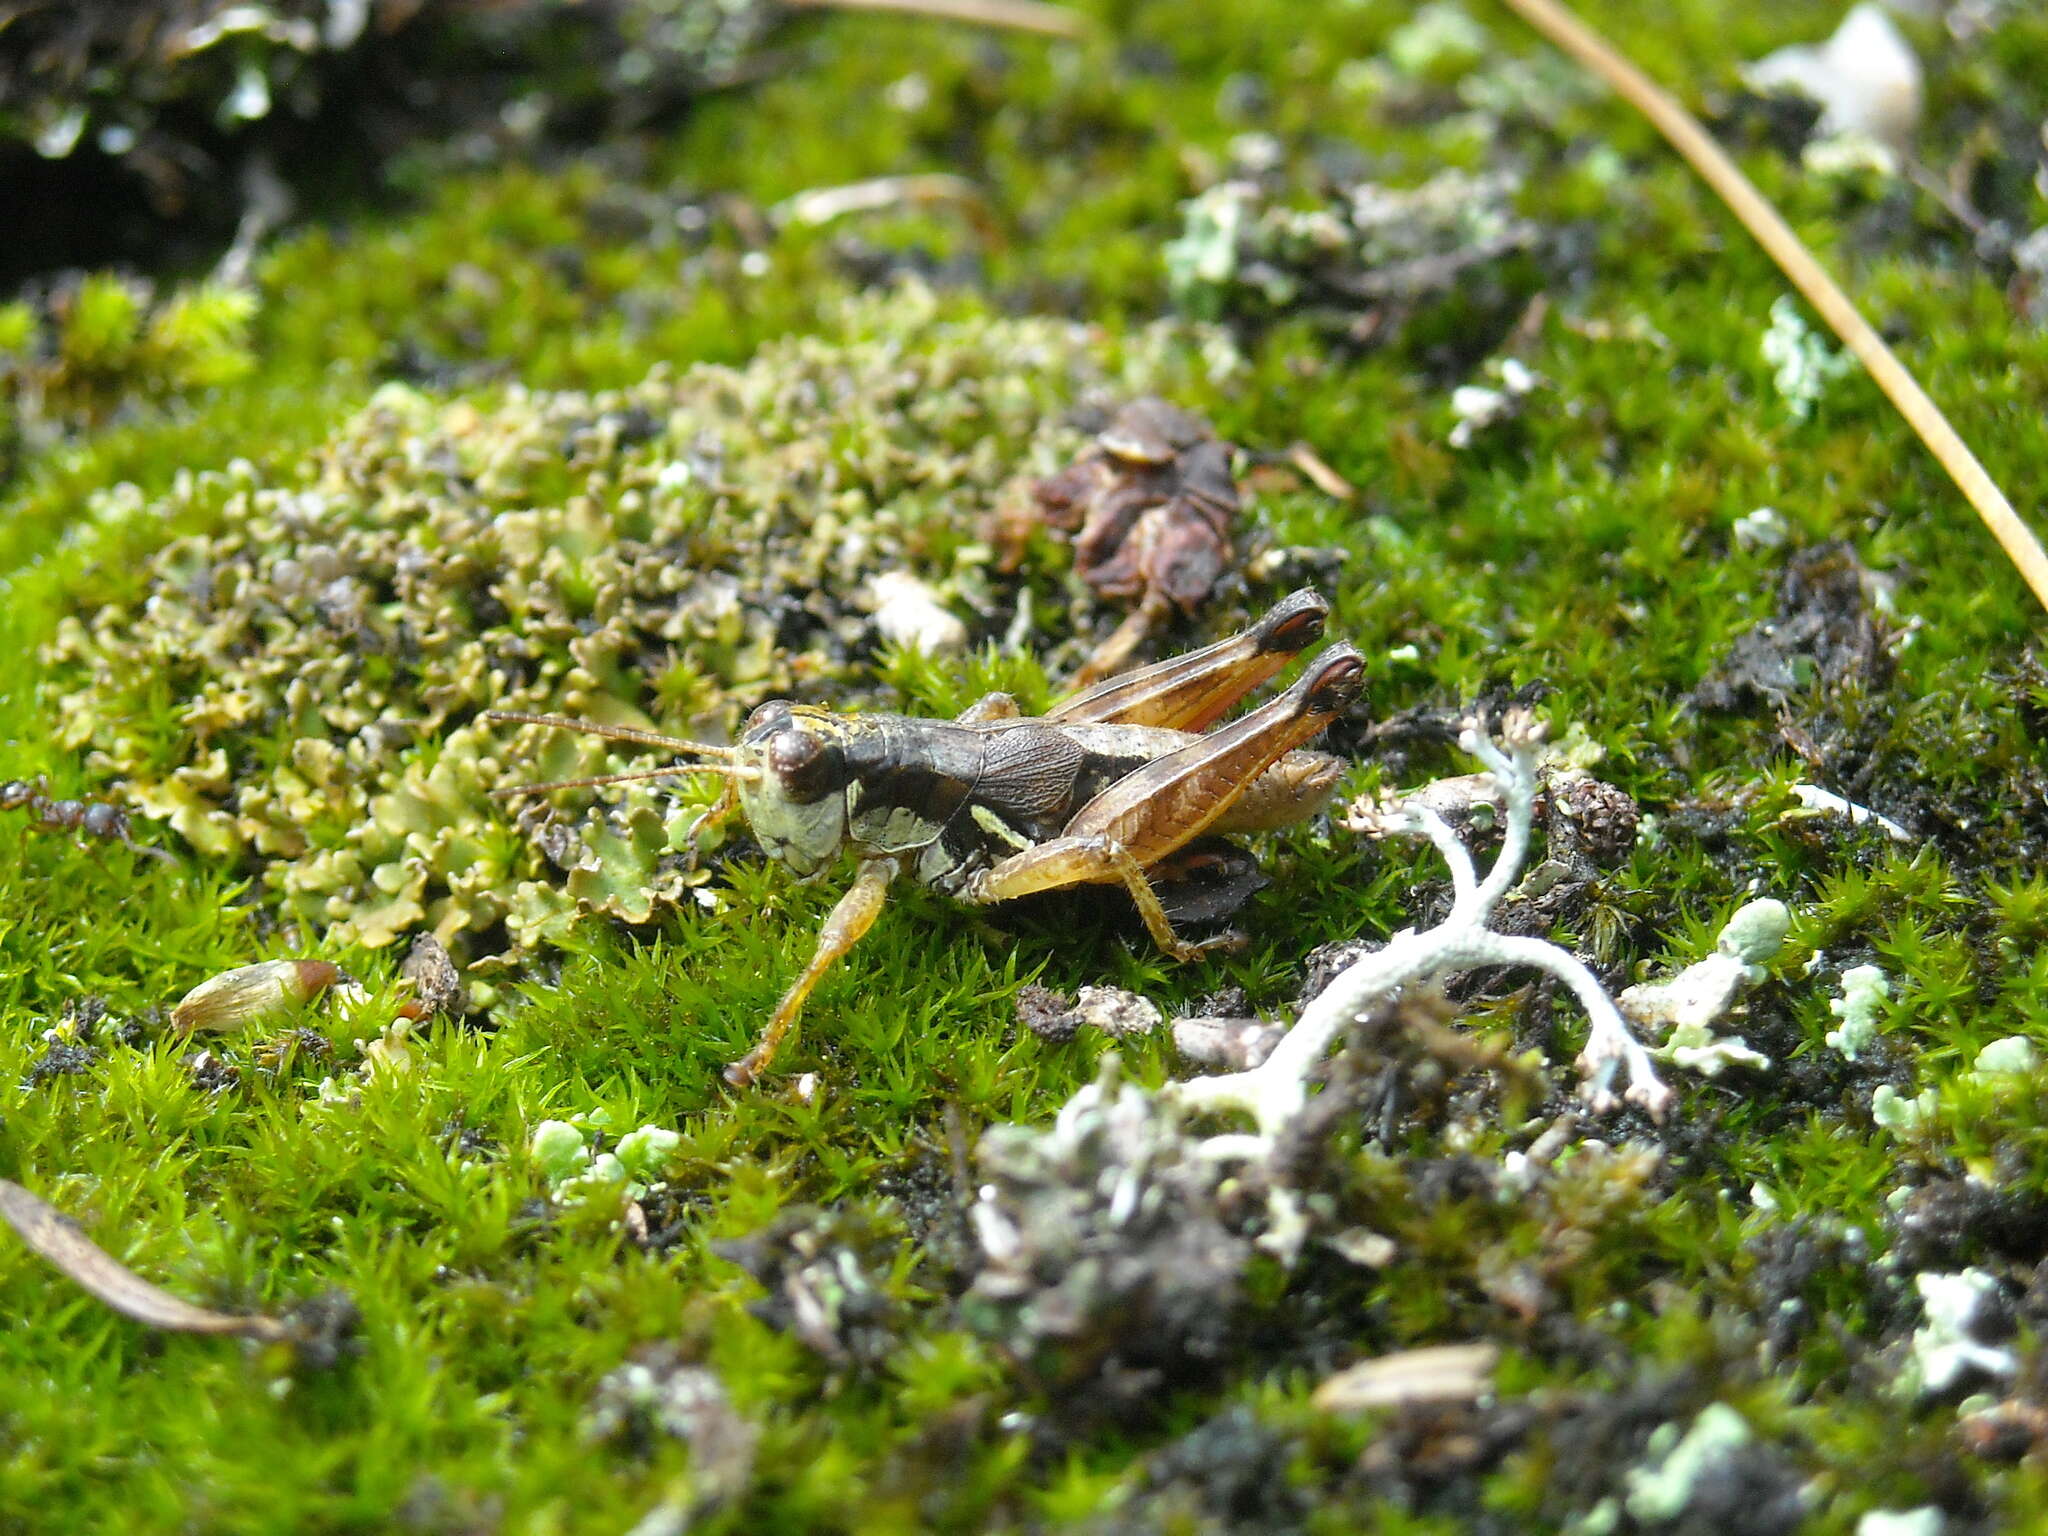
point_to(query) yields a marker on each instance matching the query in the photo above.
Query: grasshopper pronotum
(1109, 787)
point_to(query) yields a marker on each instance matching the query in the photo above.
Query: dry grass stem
(53, 1235)
(1691, 140)
(1011, 15)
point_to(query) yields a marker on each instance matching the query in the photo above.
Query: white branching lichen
(1945, 1346)
(1692, 1002)
(1276, 1091)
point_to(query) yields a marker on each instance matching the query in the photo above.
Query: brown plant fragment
(436, 984)
(57, 1238)
(1151, 504)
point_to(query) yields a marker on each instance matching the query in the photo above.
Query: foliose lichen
(295, 685)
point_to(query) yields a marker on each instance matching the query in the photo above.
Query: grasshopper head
(797, 805)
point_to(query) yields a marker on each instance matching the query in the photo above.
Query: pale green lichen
(2002, 1060)
(1943, 1346)
(1660, 1489)
(1204, 258)
(1440, 40)
(558, 1150)
(1692, 1002)
(562, 1150)
(1902, 1116)
(1865, 991)
(1802, 364)
(1359, 258)
(645, 1153)
(1756, 932)
(1697, 1048)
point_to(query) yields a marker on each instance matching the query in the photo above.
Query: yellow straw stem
(1010, 15)
(1692, 141)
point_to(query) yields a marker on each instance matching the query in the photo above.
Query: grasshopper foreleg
(853, 917)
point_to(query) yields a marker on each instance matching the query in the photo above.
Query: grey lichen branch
(1275, 1092)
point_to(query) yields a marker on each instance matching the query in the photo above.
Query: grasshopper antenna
(611, 732)
(730, 770)
(722, 756)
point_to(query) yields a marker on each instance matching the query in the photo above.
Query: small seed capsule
(250, 994)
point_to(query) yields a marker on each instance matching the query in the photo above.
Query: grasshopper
(1113, 786)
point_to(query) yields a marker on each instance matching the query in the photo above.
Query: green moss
(569, 405)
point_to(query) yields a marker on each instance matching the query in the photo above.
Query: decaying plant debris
(321, 1327)
(1152, 506)
(1355, 257)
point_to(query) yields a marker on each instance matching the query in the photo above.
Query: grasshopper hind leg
(852, 918)
(1090, 860)
(1143, 820)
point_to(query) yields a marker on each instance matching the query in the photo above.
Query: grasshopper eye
(765, 719)
(807, 769)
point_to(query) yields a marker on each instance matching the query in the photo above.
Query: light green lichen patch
(1661, 1488)
(1802, 362)
(1865, 991)
(664, 556)
(629, 1170)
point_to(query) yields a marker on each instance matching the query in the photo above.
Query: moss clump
(97, 346)
(1649, 535)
